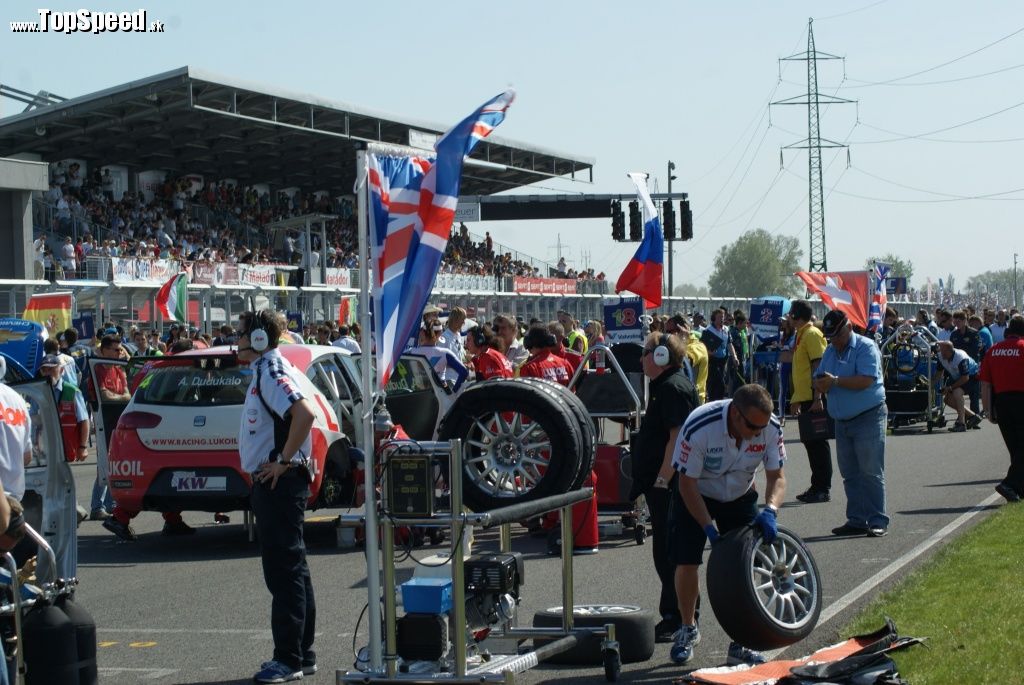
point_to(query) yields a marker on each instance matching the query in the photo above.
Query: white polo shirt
(704, 450)
(15, 432)
(280, 389)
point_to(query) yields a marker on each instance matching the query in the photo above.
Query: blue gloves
(712, 533)
(766, 522)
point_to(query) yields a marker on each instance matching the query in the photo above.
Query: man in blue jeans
(850, 373)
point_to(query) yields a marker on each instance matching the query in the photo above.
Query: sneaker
(683, 642)
(308, 667)
(877, 531)
(276, 672)
(1007, 492)
(814, 496)
(738, 654)
(974, 421)
(182, 528)
(846, 530)
(121, 530)
(98, 515)
(666, 629)
(958, 428)
(82, 513)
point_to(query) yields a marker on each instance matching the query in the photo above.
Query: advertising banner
(257, 274)
(127, 270)
(622, 320)
(765, 313)
(339, 278)
(540, 286)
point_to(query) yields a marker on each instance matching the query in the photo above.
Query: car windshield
(408, 376)
(194, 386)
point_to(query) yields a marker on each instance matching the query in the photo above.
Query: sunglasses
(751, 426)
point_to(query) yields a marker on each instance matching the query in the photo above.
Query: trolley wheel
(640, 533)
(612, 665)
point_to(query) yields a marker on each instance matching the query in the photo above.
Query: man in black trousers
(672, 398)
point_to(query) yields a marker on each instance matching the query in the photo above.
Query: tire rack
(500, 668)
(14, 608)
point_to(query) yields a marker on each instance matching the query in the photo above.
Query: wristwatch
(660, 481)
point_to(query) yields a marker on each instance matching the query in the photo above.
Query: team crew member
(542, 362)
(15, 454)
(718, 452)
(74, 417)
(961, 375)
(486, 360)
(810, 346)
(718, 363)
(274, 444)
(851, 374)
(672, 397)
(1002, 393)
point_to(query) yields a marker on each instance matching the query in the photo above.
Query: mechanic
(1002, 394)
(807, 353)
(486, 360)
(960, 373)
(718, 452)
(543, 363)
(560, 350)
(274, 444)
(451, 336)
(850, 373)
(74, 417)
(672, 396)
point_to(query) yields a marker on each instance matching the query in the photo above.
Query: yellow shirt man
(810, 346)
(697, 353)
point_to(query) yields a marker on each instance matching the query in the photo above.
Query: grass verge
(968, 601)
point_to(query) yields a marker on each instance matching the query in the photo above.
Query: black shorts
(686, 538)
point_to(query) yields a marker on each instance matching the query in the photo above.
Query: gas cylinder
(50, 647)
(85, 638)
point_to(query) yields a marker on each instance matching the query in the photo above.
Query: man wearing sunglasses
(718, 452)
(850, 374)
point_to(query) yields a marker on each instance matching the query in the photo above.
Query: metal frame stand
(500, 668)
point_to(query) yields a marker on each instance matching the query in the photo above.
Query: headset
(479, 338)
(660, 355)
(259, 341)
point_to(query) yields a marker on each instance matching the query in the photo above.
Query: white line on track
(871, 583)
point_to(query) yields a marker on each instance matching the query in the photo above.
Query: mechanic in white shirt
(345, 340)
(15, 438)
(451, 336)
(719, 450)
(274, 443)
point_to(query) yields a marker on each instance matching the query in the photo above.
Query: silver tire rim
(508, 454)
(784, 582)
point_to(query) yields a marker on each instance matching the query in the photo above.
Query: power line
(986, 196)
(922, 83)
(844, 14)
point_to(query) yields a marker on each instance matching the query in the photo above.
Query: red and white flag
(846, 291)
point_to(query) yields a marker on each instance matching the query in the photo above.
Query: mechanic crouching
(274, 445)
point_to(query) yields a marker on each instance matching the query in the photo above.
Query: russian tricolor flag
(643, 273)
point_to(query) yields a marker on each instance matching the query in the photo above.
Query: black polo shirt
(969, 341)
(672, 398)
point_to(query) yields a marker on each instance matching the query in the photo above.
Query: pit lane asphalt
(195, 610)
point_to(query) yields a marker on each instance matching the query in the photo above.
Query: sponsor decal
(212, 380)
(126, 468)
(756, 449)
(1005, 352)
(199, 421)
(13, 416)
(188, 481)
(712, 463)
(222, 442)
(120, 483)
(684, 453)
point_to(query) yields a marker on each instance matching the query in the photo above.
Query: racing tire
(587, 432)
(764, 596)
(521, 443)
(634, 631)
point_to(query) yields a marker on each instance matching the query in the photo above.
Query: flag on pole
(53, 310)
(879, 301)
(643, 273)
(846, 291)
(412, 207)
(172, 298)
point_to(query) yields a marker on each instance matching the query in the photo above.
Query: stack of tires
(523, 438)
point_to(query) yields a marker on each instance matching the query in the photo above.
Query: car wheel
(520, 443)
(588, 453)
(634, 631)
(764, 596)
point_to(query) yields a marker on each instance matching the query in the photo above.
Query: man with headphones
(672, 398)
(274, 444)
(486, 360)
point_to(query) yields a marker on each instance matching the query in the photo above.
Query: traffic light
(668, 220)
(636, 224)
(685, 221)
(618, 221)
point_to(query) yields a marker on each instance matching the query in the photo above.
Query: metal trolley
(909, 363)
(499, 668)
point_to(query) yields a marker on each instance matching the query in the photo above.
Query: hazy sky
(634, 85)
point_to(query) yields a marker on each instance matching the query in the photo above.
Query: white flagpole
(367, 382)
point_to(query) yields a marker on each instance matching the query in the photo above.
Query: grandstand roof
(191, 121)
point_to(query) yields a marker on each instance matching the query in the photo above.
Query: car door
(49, 499)
(106, 412)
(329, 379)
(414, 396)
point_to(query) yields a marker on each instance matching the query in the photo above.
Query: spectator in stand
(542, 363)
(486, 360)
(961, 377)
(451, 336)
(507, 330)
(67, 258)
(346, 341)
(107, 183)
(1002, 391)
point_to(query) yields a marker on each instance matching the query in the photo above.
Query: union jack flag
(412, 207)
(878, 299)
